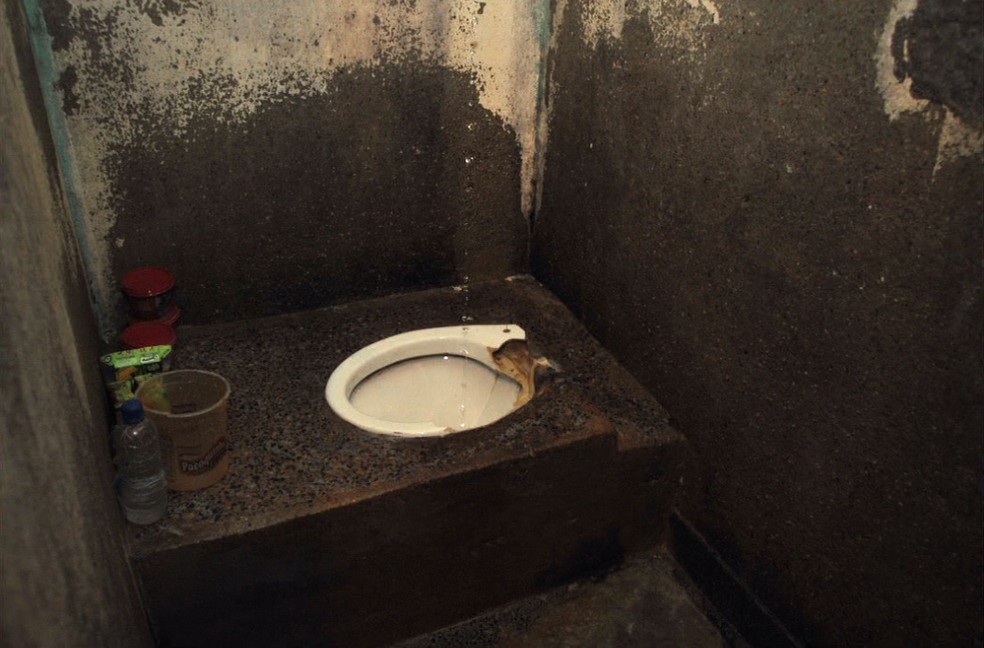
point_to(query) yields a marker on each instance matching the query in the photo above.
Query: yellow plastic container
(190, 408)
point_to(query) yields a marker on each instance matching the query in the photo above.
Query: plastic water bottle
(141, 485)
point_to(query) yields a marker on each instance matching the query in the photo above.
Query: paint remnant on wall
(960, 135)
(675, 23)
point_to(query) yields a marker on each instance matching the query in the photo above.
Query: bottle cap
(132, 411)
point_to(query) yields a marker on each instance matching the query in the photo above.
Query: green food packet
(123, 371)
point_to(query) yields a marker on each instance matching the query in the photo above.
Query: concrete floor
(645, 603)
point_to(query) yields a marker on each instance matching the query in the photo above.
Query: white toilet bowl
(428, 382)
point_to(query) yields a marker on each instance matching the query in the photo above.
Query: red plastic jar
(145, 334)
(170, 318)
(149, 291)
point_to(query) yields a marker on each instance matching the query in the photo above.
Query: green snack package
(123, 371)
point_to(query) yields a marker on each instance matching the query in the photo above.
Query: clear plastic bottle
(141, 484)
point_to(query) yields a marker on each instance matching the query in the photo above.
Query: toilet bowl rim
(477, 340)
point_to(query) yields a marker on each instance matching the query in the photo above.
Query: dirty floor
(645, 603)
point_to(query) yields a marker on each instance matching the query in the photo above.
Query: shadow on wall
(65, 577)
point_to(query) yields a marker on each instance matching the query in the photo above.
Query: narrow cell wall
(771, 213)
(65, 580)
(285, 155)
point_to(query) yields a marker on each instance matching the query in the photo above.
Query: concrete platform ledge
(323, 534)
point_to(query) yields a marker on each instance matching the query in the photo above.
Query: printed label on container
(201, 464)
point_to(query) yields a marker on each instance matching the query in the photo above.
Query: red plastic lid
(170, 318)
(149, 281)
(145, 334)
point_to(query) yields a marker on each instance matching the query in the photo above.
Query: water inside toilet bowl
(448, 390)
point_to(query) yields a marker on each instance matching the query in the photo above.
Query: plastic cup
(190, 409)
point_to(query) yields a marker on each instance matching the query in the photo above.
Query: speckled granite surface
(292, 456)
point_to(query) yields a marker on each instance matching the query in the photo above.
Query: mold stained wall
(771, 213)
(285, 155)
(64, 579)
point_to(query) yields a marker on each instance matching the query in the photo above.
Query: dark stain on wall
(66, 86)
(774, 258)
(394, 178)
(941, 46)
(157, 9)
(99, 31)
(57, 16)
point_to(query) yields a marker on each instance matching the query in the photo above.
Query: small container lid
(148, 281)
(132, 411)
(145, 334)
(170, 318)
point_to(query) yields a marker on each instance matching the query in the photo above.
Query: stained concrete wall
(771, 213)
(284, 155)
(65, 580)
